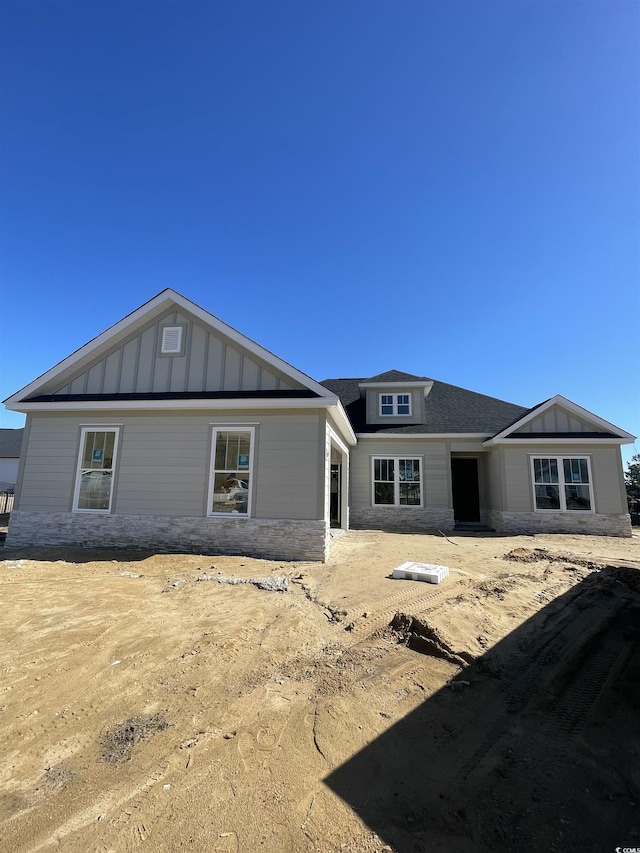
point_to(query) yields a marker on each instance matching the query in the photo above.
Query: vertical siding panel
(111, 372)
(161, 375)
(232, 367)
(197, 357)
(146, 359)
(129, 365)
(215, 364)
(95, 378)
(79, 385)
(250, 375)
(179, 365)
(267, 380)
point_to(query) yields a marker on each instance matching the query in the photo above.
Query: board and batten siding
(435, 468)
(163, 462)
(606, 474)
(556, 419)
(210, 363)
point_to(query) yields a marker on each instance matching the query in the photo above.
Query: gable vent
(172, 340)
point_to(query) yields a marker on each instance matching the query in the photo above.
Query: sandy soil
(146, 706)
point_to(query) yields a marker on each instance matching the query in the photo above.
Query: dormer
(395, 398)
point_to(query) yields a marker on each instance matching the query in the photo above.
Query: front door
(466, 494)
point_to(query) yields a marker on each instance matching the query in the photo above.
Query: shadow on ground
(533, 747)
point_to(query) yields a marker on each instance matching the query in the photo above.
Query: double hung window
(397, 482)
(395, 404)
(231, 471)
(94, 478)
(562, 484)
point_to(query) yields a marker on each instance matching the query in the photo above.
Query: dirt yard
(144, 705)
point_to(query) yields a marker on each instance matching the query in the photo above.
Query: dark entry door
(466, 495)
(336, 496)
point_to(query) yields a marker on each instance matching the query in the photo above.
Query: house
(10, 444)
(173, 431)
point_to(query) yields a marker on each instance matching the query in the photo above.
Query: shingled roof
(396, 376)
(10, 443)
(449, 409)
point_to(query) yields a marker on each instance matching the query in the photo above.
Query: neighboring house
(173, 431)
(10, 444)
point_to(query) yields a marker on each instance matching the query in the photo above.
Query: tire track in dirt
(364, 627)
(542, 665)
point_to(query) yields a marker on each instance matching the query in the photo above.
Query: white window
(395, 404)
(96, 462)
(171, 340)
(561, 484)
(397, 482)
(231, 475)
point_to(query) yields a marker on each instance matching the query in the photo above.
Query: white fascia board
(480, 436)
(552, 440)
(333, 436)
(341, 420)
(155, 306)
(189, 405)
(575, 409)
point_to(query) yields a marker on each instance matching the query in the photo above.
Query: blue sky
(446, 188)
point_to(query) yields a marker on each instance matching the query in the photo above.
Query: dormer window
(395, 404)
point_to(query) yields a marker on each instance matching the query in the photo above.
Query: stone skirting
(593, 524)
(275, 539)
(400, 518)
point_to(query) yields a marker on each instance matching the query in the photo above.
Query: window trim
(396, 482)
(215, 429)
(79, 468)
(395, 404)
(560, 458)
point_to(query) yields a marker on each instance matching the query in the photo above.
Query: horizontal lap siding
(50, 463)
(163, 463)
(435, 470)
(288, 473)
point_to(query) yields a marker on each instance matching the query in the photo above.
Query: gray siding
(210, 363)
(163, 462)
(435, 469)
(557, 419)
(417, 406)
(494, 468)
(606, 472)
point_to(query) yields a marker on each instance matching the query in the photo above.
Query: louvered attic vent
(172, 340)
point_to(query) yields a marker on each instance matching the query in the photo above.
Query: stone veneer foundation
(400, 518)
(593, 524)
(275, 539)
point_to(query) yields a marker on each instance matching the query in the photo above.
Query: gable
(558, 420)
(206, 361)
(137, 359)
